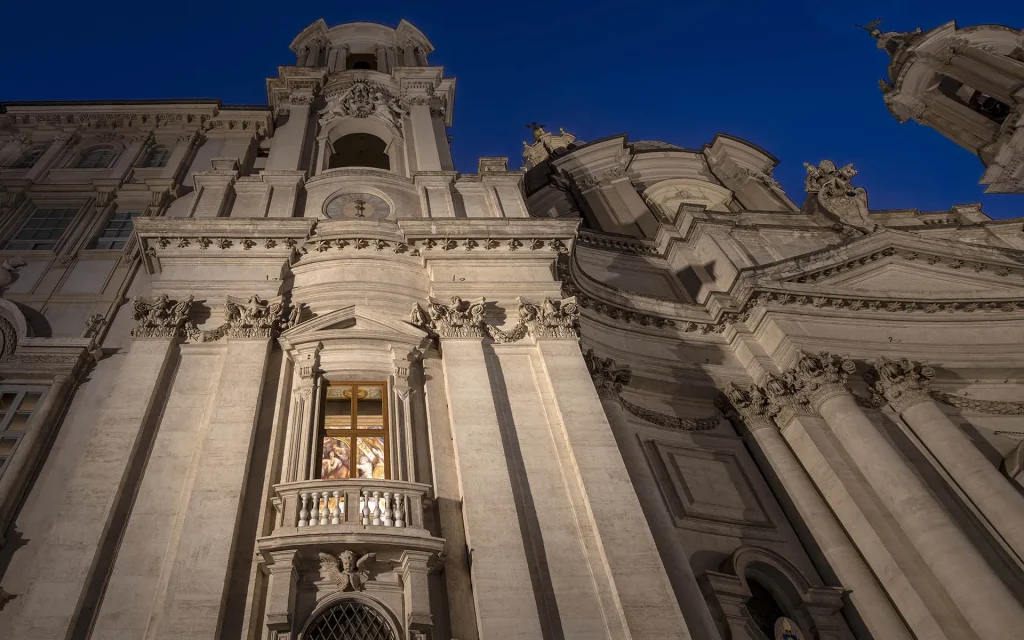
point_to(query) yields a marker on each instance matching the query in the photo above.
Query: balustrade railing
(355, 502)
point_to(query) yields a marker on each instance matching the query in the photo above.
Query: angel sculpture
(348, 570)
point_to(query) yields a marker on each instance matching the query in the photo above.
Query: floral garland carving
(990, 407)
(609, 378)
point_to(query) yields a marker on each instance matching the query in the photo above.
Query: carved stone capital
(608, 377)
(817, 377)
(747, 407)
(459, 319)
(552, 319)
(903, 383)
(160, 317)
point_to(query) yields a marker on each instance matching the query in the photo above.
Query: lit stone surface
(634, 391)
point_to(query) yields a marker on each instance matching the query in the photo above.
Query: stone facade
(629, 391)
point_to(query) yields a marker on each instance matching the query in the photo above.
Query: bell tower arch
(967, 84)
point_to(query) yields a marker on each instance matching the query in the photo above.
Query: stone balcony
(354, 511)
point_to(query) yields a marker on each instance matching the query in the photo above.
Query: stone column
(506, 606)
(313, 58)
(382, 58)
(409, 54)
(448, 498)
(301, 418)
(198, 582)
(626, 551)
(983, 599)
(427, 156)
(290, 137)
(609, 379)
(903, 384)
(62, 601)
(341, 61)
(747, 408)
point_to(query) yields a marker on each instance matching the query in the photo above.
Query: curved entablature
(633, 188)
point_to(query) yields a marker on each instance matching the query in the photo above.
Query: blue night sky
(796, 78)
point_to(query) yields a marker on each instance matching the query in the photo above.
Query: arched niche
(667, 195)
(359, 150)
(342, 127)
(372, 606)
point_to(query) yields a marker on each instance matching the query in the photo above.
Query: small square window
(43, 229)
(117, 231)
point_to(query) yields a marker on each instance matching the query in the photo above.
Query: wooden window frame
(354, 432)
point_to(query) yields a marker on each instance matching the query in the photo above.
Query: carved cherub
(348, 570)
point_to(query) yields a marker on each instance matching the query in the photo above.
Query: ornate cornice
(903, 383)
(160, 317)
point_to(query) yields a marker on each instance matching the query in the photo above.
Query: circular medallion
(786, 629)
(355, 206)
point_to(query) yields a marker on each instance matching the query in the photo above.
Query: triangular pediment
(899, 277)
(893, 264)
(354, 322)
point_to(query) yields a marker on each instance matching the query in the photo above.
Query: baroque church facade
(281, 372)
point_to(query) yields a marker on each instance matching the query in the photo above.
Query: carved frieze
(160, 317)
(989, 407)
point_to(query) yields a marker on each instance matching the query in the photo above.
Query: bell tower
(362, 94)
(967, 84)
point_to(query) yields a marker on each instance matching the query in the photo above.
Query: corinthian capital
(749, 406)
(552, 319)
(817, 377)
(459, 319)
(903, 383)
(608, 377)
(160, 317)
(255, 318)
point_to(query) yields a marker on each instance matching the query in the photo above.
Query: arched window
(359, 150)
(992, 108)
(763, 608)
(96, 158)
(156, 158)
(29, 158)
(354, 434)
(350, 621)
(361, 61)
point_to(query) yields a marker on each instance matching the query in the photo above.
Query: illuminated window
(43, 229)
(354, 442)
(16, 405)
